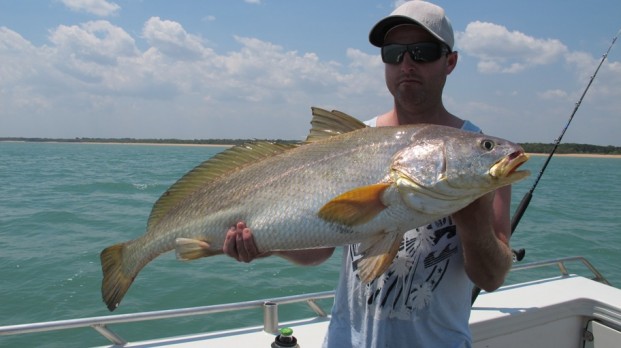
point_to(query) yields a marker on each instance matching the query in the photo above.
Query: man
(423, 300)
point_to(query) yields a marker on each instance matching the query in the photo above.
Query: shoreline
(154, 144)
(580, 155)
(534, 154)
(115, 143)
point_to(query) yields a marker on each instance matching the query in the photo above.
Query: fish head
(448, 164)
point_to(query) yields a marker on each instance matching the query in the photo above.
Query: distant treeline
(569, 148)
(145, 141)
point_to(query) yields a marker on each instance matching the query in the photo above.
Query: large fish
(347, 184)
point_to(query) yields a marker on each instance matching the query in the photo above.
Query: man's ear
(451, 62)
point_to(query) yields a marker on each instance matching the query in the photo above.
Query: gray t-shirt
(422, 300)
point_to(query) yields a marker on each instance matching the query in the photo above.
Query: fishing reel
(518, 255)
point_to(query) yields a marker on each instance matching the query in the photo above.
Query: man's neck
(439, 116)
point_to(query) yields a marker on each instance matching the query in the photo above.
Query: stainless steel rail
(270, 308)
(100, 324)
(560, 263)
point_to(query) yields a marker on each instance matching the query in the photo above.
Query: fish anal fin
(378, 256)
(354, 207)
(191, 249)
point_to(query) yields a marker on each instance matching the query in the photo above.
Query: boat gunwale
(100, 323)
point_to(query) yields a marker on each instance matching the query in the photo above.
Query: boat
(565, 310)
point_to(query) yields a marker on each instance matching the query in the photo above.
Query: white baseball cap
(429, 16)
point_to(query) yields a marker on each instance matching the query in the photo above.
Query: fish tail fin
(192, 249)
(378, 255)
(116, 281)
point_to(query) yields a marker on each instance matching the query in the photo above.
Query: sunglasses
(422, 52)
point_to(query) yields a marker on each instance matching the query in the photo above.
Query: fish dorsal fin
(221, 164)
(326, 124)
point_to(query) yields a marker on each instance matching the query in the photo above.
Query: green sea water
(61, 204)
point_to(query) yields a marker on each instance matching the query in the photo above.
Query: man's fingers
(239, 243)
(242, 253)
(250, 246)
(230, 247)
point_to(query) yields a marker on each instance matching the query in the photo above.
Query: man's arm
(484, 228)
(239, 244)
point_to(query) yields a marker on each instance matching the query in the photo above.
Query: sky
(252, 69)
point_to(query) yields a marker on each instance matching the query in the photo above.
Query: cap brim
(379, 31)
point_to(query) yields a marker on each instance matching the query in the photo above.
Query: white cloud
(605, 90)
(94, 80)
(553, 94)
(25, 73)
(97, 82)
(94, 58)
(101, 8)
(172, 40)
(97, 42)
(15, 51)
(502, 51)
(398, 3)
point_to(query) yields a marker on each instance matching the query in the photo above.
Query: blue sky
(198, 69)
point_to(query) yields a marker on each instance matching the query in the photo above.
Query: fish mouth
(507, 167)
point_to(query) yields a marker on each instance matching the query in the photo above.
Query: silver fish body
(367, 186)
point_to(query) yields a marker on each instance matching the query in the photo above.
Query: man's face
(411, 82)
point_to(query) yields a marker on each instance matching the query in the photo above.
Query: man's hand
(484, 229)
(239, 244)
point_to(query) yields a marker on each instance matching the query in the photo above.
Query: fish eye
(488, 144)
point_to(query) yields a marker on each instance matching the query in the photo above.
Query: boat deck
(553, 312)
(544, 313)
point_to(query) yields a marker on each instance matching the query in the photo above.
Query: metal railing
(100, 324)
(560, 263)
(270, 308)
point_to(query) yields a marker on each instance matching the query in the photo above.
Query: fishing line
(518, 255)
(519, 212)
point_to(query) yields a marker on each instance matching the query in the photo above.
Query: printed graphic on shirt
(417, 270)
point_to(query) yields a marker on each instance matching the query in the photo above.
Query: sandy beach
(585, 155)
(137, 143)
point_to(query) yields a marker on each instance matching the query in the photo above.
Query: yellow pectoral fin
(192, 249)
(356, 206)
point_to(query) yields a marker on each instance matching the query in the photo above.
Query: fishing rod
(518, 255)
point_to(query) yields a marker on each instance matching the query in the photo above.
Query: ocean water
(61, 204)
